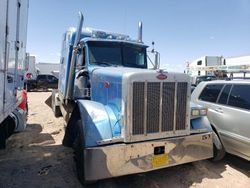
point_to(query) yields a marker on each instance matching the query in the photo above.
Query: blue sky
(181, 29)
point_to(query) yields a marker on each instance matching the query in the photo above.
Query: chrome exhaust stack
(71, 78)
(140, 32)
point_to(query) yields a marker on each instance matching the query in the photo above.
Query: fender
(98, 122)
(203, 123)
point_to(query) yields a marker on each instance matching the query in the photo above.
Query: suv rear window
(41, 77)
(50, 77)
(240, 97)
(224, 94)
(210, 92)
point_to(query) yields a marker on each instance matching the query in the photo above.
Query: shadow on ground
(238, 163)
(33, 160)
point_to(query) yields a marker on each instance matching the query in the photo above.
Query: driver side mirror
(157, 60)
(156, 64)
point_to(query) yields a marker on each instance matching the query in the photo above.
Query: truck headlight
(199, 112)
(195, 112)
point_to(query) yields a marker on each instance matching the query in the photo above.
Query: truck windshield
(117, 54)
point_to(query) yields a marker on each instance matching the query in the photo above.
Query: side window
(81, 59)
(50, 77)
(41, 77)
(224, 94)
(240, 97)
(54, 78)
(210, 92)
(199, 62)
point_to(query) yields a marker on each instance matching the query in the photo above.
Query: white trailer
(219, 67)
(32, 71)
(13, 35)
(241, 65)
(197, 67)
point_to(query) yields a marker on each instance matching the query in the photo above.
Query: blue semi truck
(123, 118)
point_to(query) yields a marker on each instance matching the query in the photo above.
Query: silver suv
(228, 104)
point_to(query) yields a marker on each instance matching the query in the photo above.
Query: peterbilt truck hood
(140, 74)
(124, 91)
(109, 83)
(116, 79)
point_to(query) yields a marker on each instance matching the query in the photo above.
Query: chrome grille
(158, 107)
(153, 93)
(181, 106)
(168, 106)
(138, 107)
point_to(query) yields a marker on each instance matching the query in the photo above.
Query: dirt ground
(36, 158)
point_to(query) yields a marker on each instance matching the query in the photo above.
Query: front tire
(218, 148)
(79, 154)
(79, 159)
(218, 154)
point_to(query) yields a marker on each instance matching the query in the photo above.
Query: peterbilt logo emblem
(161, 76)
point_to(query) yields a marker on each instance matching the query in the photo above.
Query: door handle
(218, 110)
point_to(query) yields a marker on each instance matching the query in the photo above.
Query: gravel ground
(36, 158)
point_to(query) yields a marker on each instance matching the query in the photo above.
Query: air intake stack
(140, 32)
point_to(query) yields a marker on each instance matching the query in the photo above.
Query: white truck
(204, 69)
(199, 66)
(13, 98)
(32, 71)
(121, 117)
(216, 67)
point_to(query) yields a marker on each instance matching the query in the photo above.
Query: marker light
(199, 112)
(203, 112)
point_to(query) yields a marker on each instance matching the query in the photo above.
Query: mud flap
(48, 101)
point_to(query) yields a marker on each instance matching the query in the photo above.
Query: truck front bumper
(123, 159)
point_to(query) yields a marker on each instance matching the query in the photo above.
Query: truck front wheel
(78, 146)
(79, 152)
(79, 158)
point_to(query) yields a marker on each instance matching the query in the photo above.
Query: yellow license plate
(159, 160)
